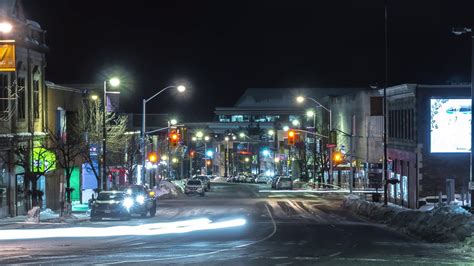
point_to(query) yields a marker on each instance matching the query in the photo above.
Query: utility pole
(384, 163)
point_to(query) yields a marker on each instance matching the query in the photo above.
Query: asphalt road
(282, 228)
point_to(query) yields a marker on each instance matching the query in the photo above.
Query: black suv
(110, 204)
(143, 199)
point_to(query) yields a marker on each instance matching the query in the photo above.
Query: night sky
(220, 48)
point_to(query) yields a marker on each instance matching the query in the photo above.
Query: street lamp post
(226, 166)
(114, 82)
(300, 99)
(310, 113)
(180, 88)
(461, 31)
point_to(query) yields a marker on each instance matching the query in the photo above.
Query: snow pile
(33, 215)
(219, 179)
(444, 223)
(48, 212)
(167, 189)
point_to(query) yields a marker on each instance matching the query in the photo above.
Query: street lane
(281, 228)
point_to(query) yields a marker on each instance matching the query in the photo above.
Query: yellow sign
(7, 57)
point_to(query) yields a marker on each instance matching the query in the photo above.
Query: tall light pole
(300, 100)
(385, 124)
(461, 31)
(226, 162)
(309, 114)
(180, 89)
(114, 82)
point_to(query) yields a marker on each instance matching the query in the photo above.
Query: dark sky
(220, 48)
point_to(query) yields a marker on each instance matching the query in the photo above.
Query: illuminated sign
(450, 125)
(43, 160)
(7, 56)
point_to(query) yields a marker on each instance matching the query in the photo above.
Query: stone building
(22, 111)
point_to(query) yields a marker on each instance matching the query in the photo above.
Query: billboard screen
(450, 125)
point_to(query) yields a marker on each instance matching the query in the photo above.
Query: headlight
(128, 203)
(140, 199)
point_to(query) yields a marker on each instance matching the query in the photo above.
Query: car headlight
(128, 203)
(140, 199)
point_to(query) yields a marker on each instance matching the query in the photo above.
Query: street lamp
(311, 114)
(271, 132)
(461, 31)
(295, 122)
(114, 82)
(5, 27)
(286, 128)
(180, 89)
(173, 122)
(226, 168)
(300, 99)
(199, 134)
(94, 97)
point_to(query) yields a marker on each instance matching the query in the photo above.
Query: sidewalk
(47, 217)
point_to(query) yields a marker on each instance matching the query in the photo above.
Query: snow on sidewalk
(444, 223)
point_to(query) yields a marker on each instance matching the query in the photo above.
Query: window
(36, 98)
(376, 106)
(401, 124)
(3, 92)
(224, 118)
(240, 118)
(21, 97)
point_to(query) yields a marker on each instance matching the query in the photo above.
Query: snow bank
(444, 223)
(219, 179)
(167, 189)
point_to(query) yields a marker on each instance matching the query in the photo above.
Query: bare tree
(36, 160)
(69, 146)
(90, 122)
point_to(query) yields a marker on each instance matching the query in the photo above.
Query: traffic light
(174, 139)
(152, 157)
(337, 157)
(291, 137)
(208, 162)
(191, 153)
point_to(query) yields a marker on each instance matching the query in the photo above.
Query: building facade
(22, 110)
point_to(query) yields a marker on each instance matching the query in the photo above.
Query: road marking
(207, 253)
(335, 254)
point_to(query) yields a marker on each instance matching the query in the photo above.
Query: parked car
(262, 179)
(241, 178)
(110, 204)
(206, 182)
(143, 200)
(194, 186)
(284, 182)
(249, 179)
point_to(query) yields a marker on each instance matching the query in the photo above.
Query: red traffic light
(291, 137)
(174, 139)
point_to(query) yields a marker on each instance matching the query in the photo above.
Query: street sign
(329, 145)
(471, 185)
(7, 56)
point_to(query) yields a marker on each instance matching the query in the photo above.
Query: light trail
(316, 191)
(138, 230)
